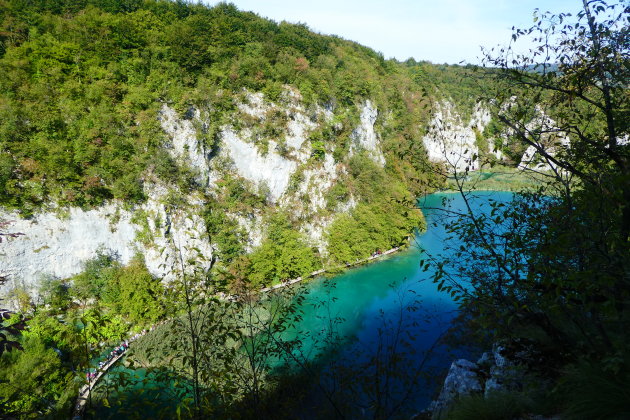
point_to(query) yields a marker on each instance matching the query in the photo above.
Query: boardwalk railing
(85, 390)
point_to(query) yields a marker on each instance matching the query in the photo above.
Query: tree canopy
(84, 81)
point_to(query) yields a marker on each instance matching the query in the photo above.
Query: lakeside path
(323, 270)
(84, 392)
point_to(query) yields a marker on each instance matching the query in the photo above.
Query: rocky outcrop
(183, 143)
(172, 233)
(462, 379)
(270, 172)
(493, 372)
(551, 141)
(451, 141)
(365, 137)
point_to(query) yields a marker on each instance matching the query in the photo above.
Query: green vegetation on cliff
(84, 80)
(385, 217)
(283, 255)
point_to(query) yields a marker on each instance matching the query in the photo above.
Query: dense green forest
(85, 79)
(546, 276)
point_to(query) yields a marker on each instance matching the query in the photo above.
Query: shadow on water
(371, 335)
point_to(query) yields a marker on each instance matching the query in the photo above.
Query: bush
(593, 392)
(142, 294)
(98, 279)
(35, 383)
(284, 255)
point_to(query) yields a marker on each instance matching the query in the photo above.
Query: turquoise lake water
(369, 303)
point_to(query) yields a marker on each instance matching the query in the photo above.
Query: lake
(381, 322)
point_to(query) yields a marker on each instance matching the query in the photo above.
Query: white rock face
(452, 142)
(253, 225)
(59, 247)
(365, 137)
(481, 117)
(53, 246)
(298, 129)
(184, 145)
(315, 231)
(173, 232)
(317, 181)
(254, 105)
(270, 170)
(551, 142)
(492, 373)
(298, 124)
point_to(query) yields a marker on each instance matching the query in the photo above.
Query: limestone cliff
(461, 145)
(57, 242)
(452, 141)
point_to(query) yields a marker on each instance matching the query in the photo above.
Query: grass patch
(498, 178)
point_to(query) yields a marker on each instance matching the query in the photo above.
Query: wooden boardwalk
(84, 392)
(323, 270)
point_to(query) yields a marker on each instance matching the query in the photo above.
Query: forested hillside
(95, 93)
(188, 135)
(85, 80)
